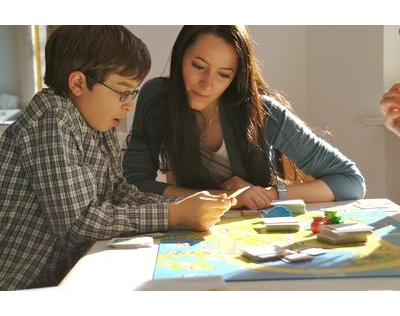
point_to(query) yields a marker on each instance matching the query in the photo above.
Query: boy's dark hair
(96, 50)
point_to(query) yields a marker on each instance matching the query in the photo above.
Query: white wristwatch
(282, 191)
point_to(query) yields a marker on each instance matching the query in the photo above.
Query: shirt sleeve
(141, 160)
(125, 193)
(312, 154)
(66, 188)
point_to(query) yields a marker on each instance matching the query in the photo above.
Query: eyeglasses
(123, 96)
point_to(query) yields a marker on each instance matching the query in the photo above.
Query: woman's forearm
(311, 192)
(173, 190)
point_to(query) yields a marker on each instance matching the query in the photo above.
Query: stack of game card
(304, 255)
(275, 252)
(345, 233)
(296, 206)
(281, 224)
(276, 211)
(264, 253)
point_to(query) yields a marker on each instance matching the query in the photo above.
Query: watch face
(281, 186)
(282, 191)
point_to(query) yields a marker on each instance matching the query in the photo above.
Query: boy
(61, 184)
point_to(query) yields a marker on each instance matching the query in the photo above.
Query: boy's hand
(199, 211)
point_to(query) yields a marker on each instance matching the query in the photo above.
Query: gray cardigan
(283, 131)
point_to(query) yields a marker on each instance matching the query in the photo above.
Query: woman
(216, 125)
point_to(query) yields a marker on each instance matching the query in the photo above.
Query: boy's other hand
(199, 211)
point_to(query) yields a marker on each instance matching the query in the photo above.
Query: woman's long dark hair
(181, 150)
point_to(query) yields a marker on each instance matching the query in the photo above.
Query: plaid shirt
(61, 189)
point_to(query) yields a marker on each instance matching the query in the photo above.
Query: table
(126, 269)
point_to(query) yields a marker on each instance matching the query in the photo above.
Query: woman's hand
(254, 198)
(234, 183)
(390, 107)
(199, 211)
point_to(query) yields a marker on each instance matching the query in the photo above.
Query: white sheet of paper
(212, 283)
(314, 251)
(269, 252)
(131, 242)
(373, 203)
(350, 228)
(261, 250)
(297, 257)
(280, 220)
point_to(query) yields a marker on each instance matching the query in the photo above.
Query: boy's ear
(77, 83)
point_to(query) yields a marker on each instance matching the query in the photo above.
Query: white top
(218, 162)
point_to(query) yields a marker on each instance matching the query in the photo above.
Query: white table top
(126, 269)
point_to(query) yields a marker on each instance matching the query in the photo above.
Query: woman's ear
(77, 83)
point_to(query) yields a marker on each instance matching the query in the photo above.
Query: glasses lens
(123, 96)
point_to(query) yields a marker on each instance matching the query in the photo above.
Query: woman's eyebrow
(224, 68)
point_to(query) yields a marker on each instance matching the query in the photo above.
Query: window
(22, 65)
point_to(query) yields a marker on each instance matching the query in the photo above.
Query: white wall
(281, 51)
(344, 84)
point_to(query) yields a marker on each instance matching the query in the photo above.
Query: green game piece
(330, 214)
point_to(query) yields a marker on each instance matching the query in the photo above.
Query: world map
(190, 254)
